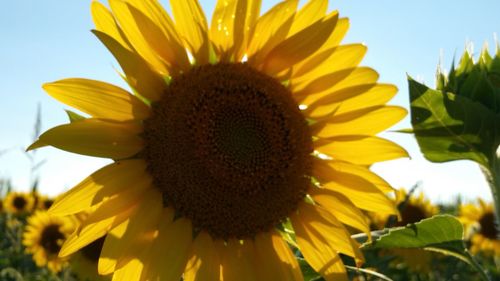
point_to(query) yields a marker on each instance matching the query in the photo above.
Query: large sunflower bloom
(232, 130)
(44, 236)
(479, 223)
(18, 203)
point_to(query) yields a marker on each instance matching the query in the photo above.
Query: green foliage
(460, 119)
(442, 233)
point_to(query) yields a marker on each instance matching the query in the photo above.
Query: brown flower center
(411, 214)
(19, 203)
(488, 229)
(229, 149)
(52, 239)
(47, 203)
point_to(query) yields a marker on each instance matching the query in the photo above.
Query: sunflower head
(44, 202)
(479, 222)
(412, 208)
(18, 203)
(43, 238)
(232, 135)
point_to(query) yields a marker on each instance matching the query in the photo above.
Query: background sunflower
(18, 203)
(478, 220)
(412, 208)
(43, 238)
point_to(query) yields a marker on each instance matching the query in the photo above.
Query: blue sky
(48, 40)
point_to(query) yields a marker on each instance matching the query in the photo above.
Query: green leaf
(441, 233)
(307, 271)
(452, 127)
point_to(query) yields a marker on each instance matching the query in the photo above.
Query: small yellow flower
(18, 203)
(479, 223)
(43, 238)
(226, 132)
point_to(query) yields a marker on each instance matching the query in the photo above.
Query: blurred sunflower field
(244, 145)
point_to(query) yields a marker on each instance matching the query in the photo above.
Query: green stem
(477, 266)
(492, 174)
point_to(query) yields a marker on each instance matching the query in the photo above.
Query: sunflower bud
(478, 81)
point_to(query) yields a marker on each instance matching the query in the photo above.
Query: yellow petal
(159, 19)
(98, 99)
(222, 29)
(366, 198)
(328, 86)
(121, 202)
(317, 220)
(111, 250)
(328, 61)
(238, 260)
(362, 150)
(270, 29)
(341, 207)
(105, 22)
(140, 76)
(360, 76)
(134, 34)
(93, 232)
(318, 252)
(204, 263)
(274, 259)
(322, 107)
(192, 26)
(312, 11)
(348, 99)
(95, 137)
(349, 174)
(37, 144)
(171, 249)
(299, 46)
(157, 42)
(104, 183)
(337, 35)
(132, 270)
(249, 22)
(368, 121)
(377, 95)
(323, 53)
(134, 232)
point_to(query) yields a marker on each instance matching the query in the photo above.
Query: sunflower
(43, 202)
(479, 223)
(234, 135)
(413, 208)
(43, 238)
(18, 203)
